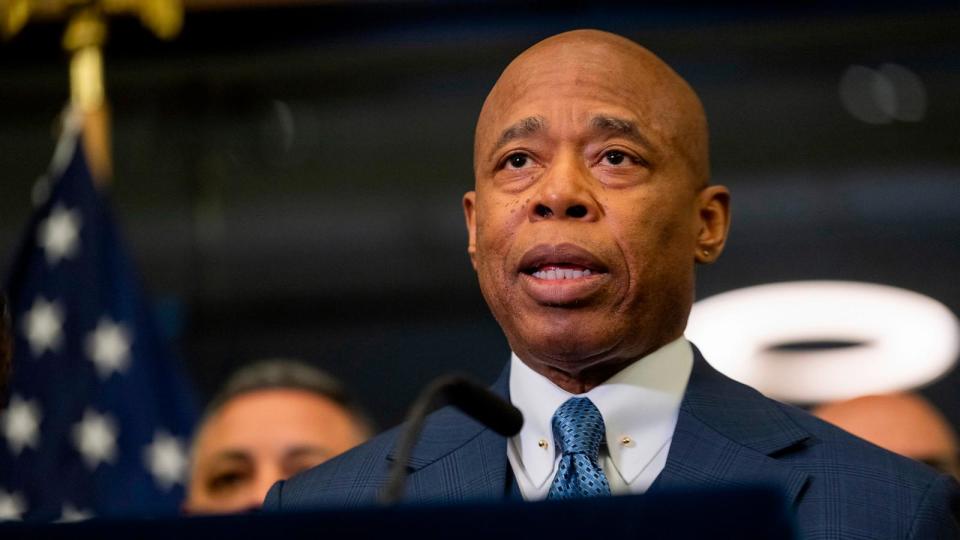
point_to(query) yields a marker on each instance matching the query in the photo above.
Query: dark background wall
(289, 178)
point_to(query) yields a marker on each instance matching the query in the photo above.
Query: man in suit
(591, 208)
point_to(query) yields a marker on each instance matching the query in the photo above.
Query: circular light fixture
(817, 341)
(880, 96)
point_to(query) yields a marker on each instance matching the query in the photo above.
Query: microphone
(471, 398)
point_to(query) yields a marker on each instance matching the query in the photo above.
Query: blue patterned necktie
(578, 431)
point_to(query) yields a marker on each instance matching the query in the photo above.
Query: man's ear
(470, 214)
(713, 205)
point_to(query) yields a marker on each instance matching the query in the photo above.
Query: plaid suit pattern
(727, 435)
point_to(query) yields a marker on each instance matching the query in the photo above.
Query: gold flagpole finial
(13, 16)
(84, 38)
(163, 17)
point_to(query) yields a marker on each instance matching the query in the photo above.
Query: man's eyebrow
(619, 126)
(304, 451)
(231, 455)
(523, 128)
(292, 460)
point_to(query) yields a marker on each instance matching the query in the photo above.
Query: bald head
(671, 114)
(903, 423)
(591, 205)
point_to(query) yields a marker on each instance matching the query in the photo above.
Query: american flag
(99, 414)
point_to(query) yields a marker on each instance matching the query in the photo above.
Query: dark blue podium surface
(745, 513)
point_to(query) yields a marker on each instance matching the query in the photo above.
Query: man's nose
(565, 191)
(261, 485)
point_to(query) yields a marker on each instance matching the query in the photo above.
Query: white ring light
(905, 339)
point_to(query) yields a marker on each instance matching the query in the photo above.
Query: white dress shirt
(639, 407)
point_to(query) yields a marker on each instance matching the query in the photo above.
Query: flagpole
(84, 39)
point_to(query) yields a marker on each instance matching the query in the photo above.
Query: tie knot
(578, 428)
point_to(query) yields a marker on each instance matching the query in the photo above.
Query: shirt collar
(640, 402)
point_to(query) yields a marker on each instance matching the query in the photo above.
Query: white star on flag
(109, 347)
(166, 459)
(59, 234)
(43, 326)
(21, 424)
(95, 437)
(72, 514)
(12, 506)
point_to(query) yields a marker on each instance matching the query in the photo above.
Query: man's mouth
(563, 261)
(563, 275)
(559, 271)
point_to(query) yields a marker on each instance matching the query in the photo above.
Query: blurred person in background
(271, 420)
(905, 423)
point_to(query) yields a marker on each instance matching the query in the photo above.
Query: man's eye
(517, 161)
(614, 157)
(225, 481)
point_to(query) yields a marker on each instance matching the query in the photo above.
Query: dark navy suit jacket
(727, 435)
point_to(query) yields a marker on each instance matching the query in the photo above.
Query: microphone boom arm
(471, 398)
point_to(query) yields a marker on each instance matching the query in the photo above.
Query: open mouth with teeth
(559, 271)
(561, 262)
(562, 275)
(563, 284)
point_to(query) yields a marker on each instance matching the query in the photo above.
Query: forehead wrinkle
(525, 127)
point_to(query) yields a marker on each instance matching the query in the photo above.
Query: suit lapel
(457, 458)
(728, 435)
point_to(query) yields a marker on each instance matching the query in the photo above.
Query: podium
(742, 514)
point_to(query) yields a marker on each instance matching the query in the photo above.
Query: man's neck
(594, 374)
(580, 383)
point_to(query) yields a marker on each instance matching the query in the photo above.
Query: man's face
(590, 208)
(260, 437)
